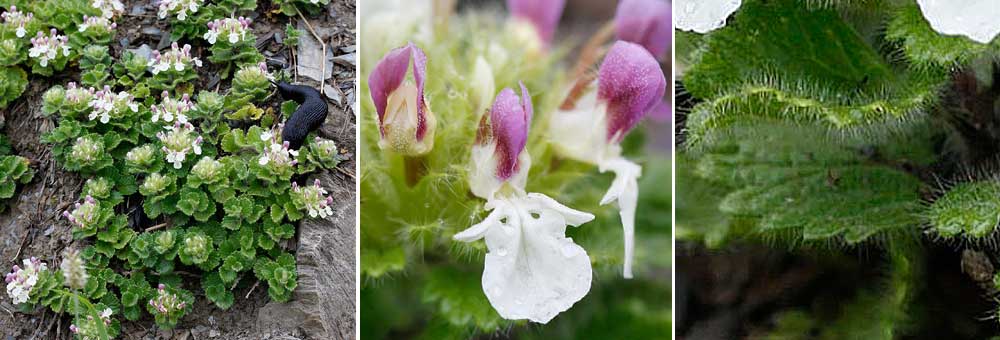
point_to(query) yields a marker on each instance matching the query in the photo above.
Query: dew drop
(690, 7)
(502, 251)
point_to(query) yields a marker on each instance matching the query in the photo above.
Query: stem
(415, 167)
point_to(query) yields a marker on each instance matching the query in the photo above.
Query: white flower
(976, 19)
(277, 153)
(109, 8)
(532, 270)
(703, 16)
(179, 139)
(20, 281)
(232, 29)
(314, 198)
(73, 269)
(179, 7)
(101, 24)
(48, 48)
(18, 19)
(106, 105)
(177, 58)
(169, 109)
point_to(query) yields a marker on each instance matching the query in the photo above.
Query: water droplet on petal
(502, 251)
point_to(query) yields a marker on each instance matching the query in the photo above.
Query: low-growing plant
(216, 199)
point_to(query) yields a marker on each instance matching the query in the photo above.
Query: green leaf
(793, 185)
(970, 209)
(809, 66)
(458, 298)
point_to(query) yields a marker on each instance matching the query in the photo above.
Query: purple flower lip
(509, 118)
(631, 83)
(645, 22)
(543, 14)
(389, 74)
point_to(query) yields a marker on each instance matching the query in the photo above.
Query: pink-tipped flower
(406, 123)
(645, 22)
(631, 82)
(541, 15)
(498, 155)
(590, 125)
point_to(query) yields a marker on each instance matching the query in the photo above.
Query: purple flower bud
(543, 14)
(316, 182)
(161, 286)
(645, 22)
(631, 82)
(510, 118)
(389, 74)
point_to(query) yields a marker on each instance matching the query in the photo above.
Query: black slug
(309, 116)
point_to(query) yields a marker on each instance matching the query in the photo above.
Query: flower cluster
(313, 198)
(327, 149)
(109, 8)
(48, 48)
(170, 109)
(253, 74)
(178, 7)
(207, 169)
(140, 157)
(176, 58)
(20, 281)
(76, 95)
(155, 183)
(232, 30)
(179, 139)
(277, 153)
(90, 328)
(165, 302)
(86, 150)
(106, 104)
(73, 269)
(85, 214)
(18, 19)
(100, 25)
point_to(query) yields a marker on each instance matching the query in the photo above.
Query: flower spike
(629, 85)
(645, 22)
(532, 270)
(406, 124)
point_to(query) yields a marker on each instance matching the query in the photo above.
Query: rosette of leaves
(169, 319)
(158, 191)
(13, 82)
(195, 24)
(14, 170)
(130, 70)
(280, 275)
(293, 7)
(250, 84)
(95, 65)
(64, 15)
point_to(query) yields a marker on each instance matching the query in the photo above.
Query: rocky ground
(323, 306)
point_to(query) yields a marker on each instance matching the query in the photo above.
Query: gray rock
(143, 51)
(347, 60)
(311, 57)
(323, 305)
(151, 30)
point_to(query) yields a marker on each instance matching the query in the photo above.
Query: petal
(532, 270)
(483, 83)
(976, 19)
(389, 73)
(644, 22)
(630, 81)
(625, 190)
(544, 15)
(510, 118)
(703, 16)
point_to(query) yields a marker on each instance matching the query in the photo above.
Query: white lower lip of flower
(703, 16)
(625, 190)
(483, 181)
(976, 19)
(532, 271)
